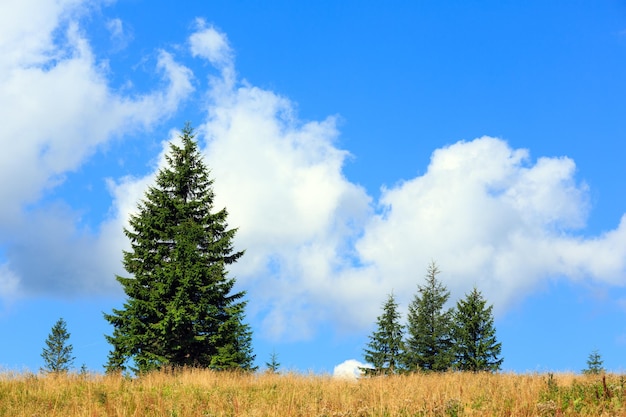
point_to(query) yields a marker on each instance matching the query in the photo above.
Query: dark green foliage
(385, 348)
(180, 308)
(273, 364)
(474, 335)
(57, 354)
(429, 341)
(594, 364)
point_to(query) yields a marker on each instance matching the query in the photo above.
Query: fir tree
(385, 348)
(180, 308)
(594, 364)
(475, 341)
(57, 355)
(429, 341)
(273, 364)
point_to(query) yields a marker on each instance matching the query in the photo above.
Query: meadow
(195, 392)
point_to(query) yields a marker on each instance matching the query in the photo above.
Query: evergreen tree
(594, 364)
(180, 308)
(429, 341)
(57, 355)
(273, 364)
(385, 348)
(474, 335)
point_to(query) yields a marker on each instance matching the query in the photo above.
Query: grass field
(205, 393)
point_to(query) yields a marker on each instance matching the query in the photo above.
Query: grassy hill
(192, 393)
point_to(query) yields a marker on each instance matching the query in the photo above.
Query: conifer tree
(474, 335)
(429, 340)
(594, 363)
(385, 348)
(180, 309)
(273, 364)
(57, 355)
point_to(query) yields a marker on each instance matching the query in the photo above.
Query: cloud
(50, 256)
(319, 250)
(349, 369)
(74, 110)
(120, 36)
(28, 31)
(9, 283)
(115, 27)
(57, 110)
(212, 45)
(490, 217)
(282, 182)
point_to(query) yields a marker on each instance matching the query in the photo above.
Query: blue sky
(352, 142)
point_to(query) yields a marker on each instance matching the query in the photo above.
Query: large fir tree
(475, 341)
(429, 340)
(385, 348)
(180, 308)
(57, 355)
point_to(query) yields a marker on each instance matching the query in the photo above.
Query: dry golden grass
(205, 393)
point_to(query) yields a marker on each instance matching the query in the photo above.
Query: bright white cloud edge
(349, 369)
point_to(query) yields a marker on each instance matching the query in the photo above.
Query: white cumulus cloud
(57, 109)
(318, 249)
(491, 217)
(211, 44)
(349, 369)
(208, 43)
(282, 182)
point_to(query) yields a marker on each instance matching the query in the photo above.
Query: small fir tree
(57, 354)
(594, 364)
(385, 348)
(273, 364)
(181, 309)
(429, 341)
(474, 335)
